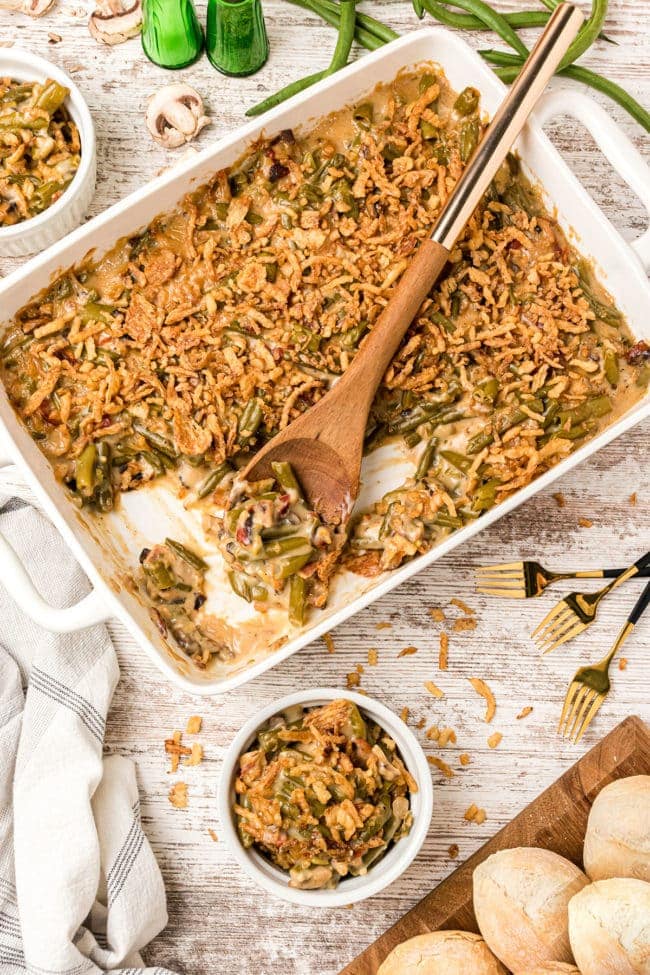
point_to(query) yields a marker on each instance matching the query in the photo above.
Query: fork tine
(560, 608)
(504, 593)
(568, 701)
(501, 579)
(561, 619)
(575, 690)
(588, 718)
(500, 574)
(585, 704)
(501, 567)
(564, 637)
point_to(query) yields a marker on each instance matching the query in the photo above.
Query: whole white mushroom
(520, 901)
(617, 843)
(175, 115)
(609, 927)
(442, 953)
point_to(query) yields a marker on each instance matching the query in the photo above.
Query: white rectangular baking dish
(109, 555)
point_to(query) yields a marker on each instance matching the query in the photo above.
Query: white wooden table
(218, 921)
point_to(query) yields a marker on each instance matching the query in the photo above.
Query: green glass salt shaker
(171, 33)
(236, 40)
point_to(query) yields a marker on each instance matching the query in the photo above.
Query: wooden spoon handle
(377, 351)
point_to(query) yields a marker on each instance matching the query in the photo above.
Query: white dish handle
(610, 138)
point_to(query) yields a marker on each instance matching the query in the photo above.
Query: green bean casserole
(323, 794)
(176, 355)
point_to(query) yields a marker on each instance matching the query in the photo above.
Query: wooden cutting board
(556, 820)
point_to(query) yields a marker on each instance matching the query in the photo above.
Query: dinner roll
(520, 901)
(617, 843)
(555, 968)
(442, 953)
(609, 927)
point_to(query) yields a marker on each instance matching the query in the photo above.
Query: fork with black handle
(524, 580)
(590, 686)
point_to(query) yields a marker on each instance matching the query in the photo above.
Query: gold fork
(577, 611)
(522, 580)
(590, 686)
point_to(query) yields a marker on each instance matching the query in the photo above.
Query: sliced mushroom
(113, 22)
(175, 115)
(34, 8)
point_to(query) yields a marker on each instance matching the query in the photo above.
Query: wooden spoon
(325, 445)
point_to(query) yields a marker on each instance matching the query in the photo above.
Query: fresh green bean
(518, 20)
(492, 19)
(187, 555)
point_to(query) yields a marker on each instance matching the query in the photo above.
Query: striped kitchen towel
(80, 890)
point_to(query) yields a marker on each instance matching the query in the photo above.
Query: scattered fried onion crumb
(193, 725)
(407, 652)
(421, 723)
(622, 664)
(383, 626)
(585, 522)
(197, 754)
(443, 653)
(404, 715)
(433, 689)
(633, 499)
(495, 740)
(437, 615)
(442, 766)
(559, 499)
(174, 748)
(443, 736)
(353, 679)
(481, 688)
(213, 836)
(464, 624)
(453, 851)
(178, 795)
(329, 642)
(524, 713)
(463, 607)
(475, 815)
(373, 657)
(465, 759)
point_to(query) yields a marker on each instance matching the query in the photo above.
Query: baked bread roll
(609, 927)
(442, 953)
(520, 901)
(617, 843)
(555, 968)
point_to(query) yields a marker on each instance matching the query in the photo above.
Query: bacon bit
(178, 795)
(585, 522)
(524, 713)
(433, 689)
(442, 766)
(463, 607)
(453, 851)
(383, 626)
(197, 754)
(484, 691)
(329, 642)
(633, 499)
(559, 499)
(407, 652)
(475, 815)
(443, 653)
(193, 725)
(372, 657)
(353, 679)
(213, 836)
(495, 740)
(465, 759)
(437, 615)
(622, 664)
(404, 715)
(464, 624)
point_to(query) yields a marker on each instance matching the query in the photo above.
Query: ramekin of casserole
(108, 551)
(39, 232)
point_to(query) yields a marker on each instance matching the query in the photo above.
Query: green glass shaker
(236, 40)
(171, 33)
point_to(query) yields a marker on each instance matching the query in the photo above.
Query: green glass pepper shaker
(236, 40)
(171, 33)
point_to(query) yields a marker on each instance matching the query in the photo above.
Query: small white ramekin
(34, 235)
(385, 871)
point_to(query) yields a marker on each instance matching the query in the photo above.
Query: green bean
(294, 564)
(282, 546)
(469, 136)
(213, 480)
(426, 459)
(162, 444)
(19, 122)
(18, 341)
(278, 531)
(46, 194)
(612, 372)
(575, 433)
(269, 741)
(519, 20)
(428, 130)
(485, 495)
(93, 311)
(52, 97)
(254, 219)
(487, 390)
(595, 407)
(104, 499)
(240, 585)
(250, 420)
(495, 21)
(457, 460)
(587, 34)
(284, 475)
(271, 271)
(187, 555)
(439, 319)
(363, 115)
(84, 472)
(444, 520)
(287, 92)
(297, 600)
(353, 336)
(160, 575)
(467, 102)
(503, 422)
